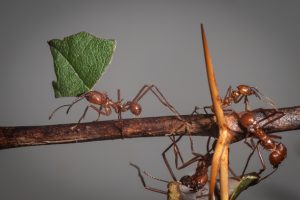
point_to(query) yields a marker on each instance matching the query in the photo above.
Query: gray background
(252, 42)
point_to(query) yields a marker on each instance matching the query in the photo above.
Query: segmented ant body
(278, 150)
(106, 105)
(176, 189)
(242, 92)
(247, 180)
(199, 178)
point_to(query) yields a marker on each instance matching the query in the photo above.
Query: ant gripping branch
(278, 150)
(242, 92)
(106, 105)
(247, 180)
(200, 177)
(197, 180)
(176, 189)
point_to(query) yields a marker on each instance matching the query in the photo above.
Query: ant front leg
(79, 98)
(85, 111)
(246, 102)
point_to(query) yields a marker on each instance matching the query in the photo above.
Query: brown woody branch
(202, 125)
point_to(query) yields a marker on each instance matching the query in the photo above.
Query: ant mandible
(107, 105)
(278, 150)
(242, 92)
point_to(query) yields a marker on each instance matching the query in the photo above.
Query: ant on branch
(193, 185)
(242, 92)
(107, 105)
(278, 150)
(196, 181)
(177, 190)
(247, 180)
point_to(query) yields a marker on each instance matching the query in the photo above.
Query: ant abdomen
(278, 155)
(135, 108)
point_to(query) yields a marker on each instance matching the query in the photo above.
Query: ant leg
(120, 114)
(207, 107)
(232, 172)
(229, 168)
(228, 92)
(195, 111)
(253, 147)
(146, 88)
(192, 146)
(275, 136)
(238, 98)
(208, 150)
(164, 101)
(178, 154)
(280, 114)
(246, 102)
(68, 105)
(144, 183)
(268, 175)
(85, 111)
(77, 99)
(197, 156)
(166, 160)
(261, 161)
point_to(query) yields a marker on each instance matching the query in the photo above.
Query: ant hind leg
(144, 183)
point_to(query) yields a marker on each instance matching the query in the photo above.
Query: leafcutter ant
(242, 92)
(106, 105)
(247, 180)
(176, 189)
(278, 150)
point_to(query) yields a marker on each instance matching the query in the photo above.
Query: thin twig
(201, 125)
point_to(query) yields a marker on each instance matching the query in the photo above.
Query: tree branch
(202, 125)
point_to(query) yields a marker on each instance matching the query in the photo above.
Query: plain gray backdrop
(159, 42)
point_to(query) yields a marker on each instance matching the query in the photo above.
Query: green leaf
(79, 62)
(245, 182)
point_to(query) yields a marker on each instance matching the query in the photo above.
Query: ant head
(186, 180)
(278, 155)
(200, 182)
(245, 90)
(135, 108)
(235, 94)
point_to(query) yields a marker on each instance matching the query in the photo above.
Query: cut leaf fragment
(79, 62)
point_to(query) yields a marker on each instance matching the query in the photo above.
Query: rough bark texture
(202, 125)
